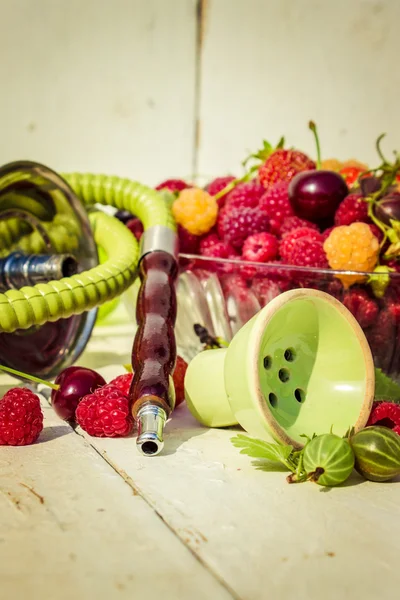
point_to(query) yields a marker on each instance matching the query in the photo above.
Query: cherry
(316, 194)
(136, 227)
(73, 384)
(388, 208)
(70, 386)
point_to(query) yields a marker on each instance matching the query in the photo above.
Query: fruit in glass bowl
(288, 223)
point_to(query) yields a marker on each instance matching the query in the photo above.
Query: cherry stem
(313, 128)
(53, 386)
(378, 148)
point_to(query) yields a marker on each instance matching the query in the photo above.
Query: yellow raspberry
(195, 210)
(331, 164)
(352, 248)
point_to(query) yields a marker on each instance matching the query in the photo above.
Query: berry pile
(300, 216)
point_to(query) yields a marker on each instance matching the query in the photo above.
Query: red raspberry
(290, 239)
(179, 379)
(260, 247)
(325, 234)
(219, 250)
(275, 203)
(105, 413)
(208, 241)
(217, 185)
(245, 195)
(173, 185)
(235, 226)
(264, 289)
(123, 383)
(353, 208)
(188, 243)
(382, 338)
(308, 253)
(291, 223)
(385, 414)
(283, 165)
(362, 307)
(21, 418)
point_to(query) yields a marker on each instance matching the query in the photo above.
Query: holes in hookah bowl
(267, 362)
(289, 354)
(273, 399)
(300, 395)
(284, 375)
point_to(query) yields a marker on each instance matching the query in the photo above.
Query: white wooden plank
(99, 85)
(269, 66)
(71, 528)
(262, 536)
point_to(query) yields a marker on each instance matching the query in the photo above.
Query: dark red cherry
(315, 195)
(136, 227)
(74, 383)
(388, 208)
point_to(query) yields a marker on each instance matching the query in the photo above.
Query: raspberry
(207, 241)
(21, 418)
(275, 203)
(235, 226)
(123, 383)
(179, 379)
(283, 165)
(331, 164)
(382, 338)
(245, 195)
(290, 239)
(354, 248)
(260, 247)
(188, 243)
(308, 253)
(217, 185)
(362, 307)
(325, 234)
(385, 414)
(353, 208)
(219, 250)
(195, 210)
(264, 290)
(105, 413)
(291, 223)
(173, 185)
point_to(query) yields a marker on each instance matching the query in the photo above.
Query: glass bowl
(223, 294)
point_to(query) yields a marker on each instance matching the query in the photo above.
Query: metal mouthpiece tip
(151, 421)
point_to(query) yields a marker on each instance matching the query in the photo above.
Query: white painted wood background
(156, 88)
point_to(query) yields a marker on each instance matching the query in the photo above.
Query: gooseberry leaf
(386, 388)
(260, 449)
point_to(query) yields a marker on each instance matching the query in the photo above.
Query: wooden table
(87, 518)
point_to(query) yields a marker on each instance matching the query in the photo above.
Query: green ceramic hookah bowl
(300, 366)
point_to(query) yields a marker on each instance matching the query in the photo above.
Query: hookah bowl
(51, 283)
(300, 366)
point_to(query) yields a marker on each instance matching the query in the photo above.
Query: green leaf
(386, 388)
(260, 449)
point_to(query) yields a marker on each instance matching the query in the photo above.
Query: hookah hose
(154, 349)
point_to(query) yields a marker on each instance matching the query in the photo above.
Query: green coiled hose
(30, 306)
